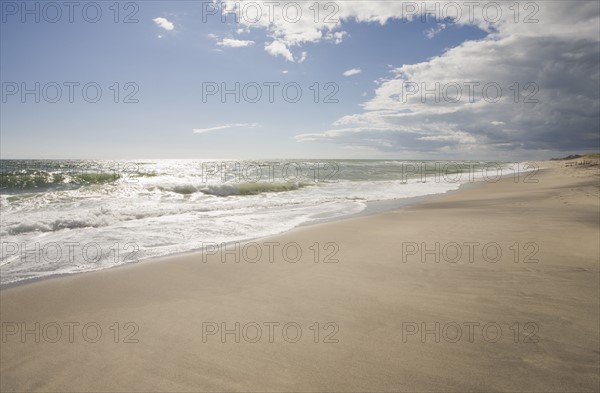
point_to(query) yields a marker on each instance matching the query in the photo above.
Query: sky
(299, 79)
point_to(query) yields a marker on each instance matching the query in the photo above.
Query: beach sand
(526, 326)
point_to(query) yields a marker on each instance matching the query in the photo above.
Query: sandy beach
(494, 287)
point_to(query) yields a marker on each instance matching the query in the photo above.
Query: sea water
(70, 216)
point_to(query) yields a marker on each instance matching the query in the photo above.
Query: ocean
(70, 216)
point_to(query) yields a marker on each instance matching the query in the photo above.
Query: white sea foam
(164, 207)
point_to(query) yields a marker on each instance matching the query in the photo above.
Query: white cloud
(277, 48)
(430, 33)
(284, 71)
(352, 71)
(557, 49)
(359, 147)
(559, 56)
(302, 57)
(223, 127)
(291, 32)
(337, 37)
(233, 43)
(164, 23)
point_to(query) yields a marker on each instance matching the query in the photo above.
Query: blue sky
(170, 52)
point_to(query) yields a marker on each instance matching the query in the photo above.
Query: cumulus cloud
(277, 48)
(224, 127)
(432, 32)
(291, 28)
(233, 43)
(337, 37)
(164, 23)
(352, 71)
(549, 80)
(553, 58)
(291, 23)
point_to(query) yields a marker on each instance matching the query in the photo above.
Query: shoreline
(395, 205)
(372, 300)
(371, 208)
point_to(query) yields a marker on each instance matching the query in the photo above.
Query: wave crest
(250, 188)
(56, 225)
(45, 180)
